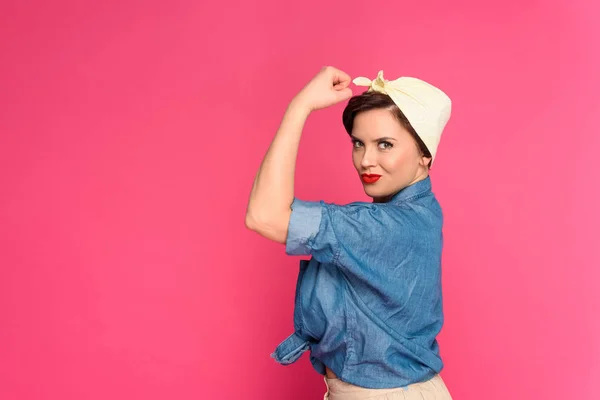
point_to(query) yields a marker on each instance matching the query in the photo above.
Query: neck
(385, 199)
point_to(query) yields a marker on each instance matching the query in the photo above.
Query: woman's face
(385, 155)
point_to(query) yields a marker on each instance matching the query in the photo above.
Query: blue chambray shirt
(369, 301)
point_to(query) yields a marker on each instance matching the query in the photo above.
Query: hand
(330, 86)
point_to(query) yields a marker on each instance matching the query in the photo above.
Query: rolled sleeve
(353, 236)
(304, 225)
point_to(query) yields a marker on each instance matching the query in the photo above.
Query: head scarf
(426, 107)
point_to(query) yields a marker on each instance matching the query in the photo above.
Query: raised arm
(272, 194)
(269, 207)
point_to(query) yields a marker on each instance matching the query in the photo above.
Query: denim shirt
(368, 303)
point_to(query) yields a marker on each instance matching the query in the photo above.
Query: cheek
(356, 159)
(392, 160)
(395, 162)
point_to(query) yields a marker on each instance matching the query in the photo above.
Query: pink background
(130, 133)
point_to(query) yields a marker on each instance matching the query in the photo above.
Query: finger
(341, 85)
(340, 77)
(344, 94)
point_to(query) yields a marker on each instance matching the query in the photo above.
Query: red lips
(370, 178)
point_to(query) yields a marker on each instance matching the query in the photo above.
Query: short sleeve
(303, 227)
(356, 233)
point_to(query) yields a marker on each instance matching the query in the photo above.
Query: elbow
(256, 223)
(270, 230)
(251, 222)
(259, 219)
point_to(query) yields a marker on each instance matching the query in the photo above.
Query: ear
(424, 161)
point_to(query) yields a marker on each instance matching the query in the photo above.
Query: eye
(385, 145)
(356, 143)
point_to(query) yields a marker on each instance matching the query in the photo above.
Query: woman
(369, 301)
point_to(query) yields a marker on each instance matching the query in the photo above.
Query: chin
(372, 192)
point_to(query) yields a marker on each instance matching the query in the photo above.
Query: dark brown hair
(374, 100)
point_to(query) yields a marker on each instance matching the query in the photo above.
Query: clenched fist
(330, 86)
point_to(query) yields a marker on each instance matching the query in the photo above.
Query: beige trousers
(435, 388)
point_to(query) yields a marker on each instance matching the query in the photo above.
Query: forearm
(273, 190)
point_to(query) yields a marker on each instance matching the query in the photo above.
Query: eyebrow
(376, 140)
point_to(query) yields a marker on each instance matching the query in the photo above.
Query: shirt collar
(416, 189)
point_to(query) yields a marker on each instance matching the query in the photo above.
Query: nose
(368, 159)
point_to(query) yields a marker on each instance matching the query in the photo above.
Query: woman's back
(368, 303)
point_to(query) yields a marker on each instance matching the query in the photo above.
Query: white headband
(426, 107)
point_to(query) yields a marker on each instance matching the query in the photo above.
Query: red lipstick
(370, 178)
